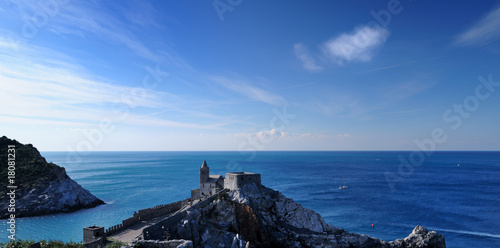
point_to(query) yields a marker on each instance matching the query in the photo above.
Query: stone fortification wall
(147, 214)
(150, 213)
(236, 180)
(114, 229)
(157, 231)
(93, 236)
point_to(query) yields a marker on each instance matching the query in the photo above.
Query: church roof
(214, 178)
(204, 165)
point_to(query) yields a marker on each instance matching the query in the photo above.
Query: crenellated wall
(147, 214)
(157, 230)
(233, 181)
(113, 229)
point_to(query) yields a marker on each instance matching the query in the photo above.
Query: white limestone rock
(256, 216)
(421, 237)
(42, 187)
(277, 207)
(62, 195)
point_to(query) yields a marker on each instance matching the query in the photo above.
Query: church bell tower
(204, 172)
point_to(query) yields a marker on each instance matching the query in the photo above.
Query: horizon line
(277, 151)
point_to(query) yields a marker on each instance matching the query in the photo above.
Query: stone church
(211, 184)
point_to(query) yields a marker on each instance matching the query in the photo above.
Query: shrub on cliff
(31, 168)
(19, 243)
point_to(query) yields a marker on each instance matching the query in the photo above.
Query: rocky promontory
(256, 216)
(40, 187)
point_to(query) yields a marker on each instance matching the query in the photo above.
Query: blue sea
(461, 202)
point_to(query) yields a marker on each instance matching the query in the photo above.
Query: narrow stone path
(134, 231)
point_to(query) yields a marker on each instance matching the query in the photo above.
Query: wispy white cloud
(246, 89)
(44, 87)
(270, 133)
(277, 134)
(359, 45)
(353, 105)
(49, 87)
(34, 121)
(69, 100)
(90, 18)
(62, 31)
(484, 32)
(46, 74)
(108, 29)
(299, 85)
(308, 62)
(404, 90)
(336, 103)
(404, 63)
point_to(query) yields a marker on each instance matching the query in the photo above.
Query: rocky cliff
(256, 216)
(41, 187)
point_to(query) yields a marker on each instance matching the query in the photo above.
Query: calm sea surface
(462, 202)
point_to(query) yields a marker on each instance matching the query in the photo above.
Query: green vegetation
(43, 244)
(18, 243)
(31, 168)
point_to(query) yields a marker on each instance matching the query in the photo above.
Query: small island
(31, 186)
(237, 211)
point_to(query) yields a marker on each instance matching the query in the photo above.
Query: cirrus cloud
(308, 62)
(484, 32)
(359, 45)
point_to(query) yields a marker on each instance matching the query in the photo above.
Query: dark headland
(30, 186)
(237, 211)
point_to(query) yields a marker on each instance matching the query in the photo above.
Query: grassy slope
(31, 167)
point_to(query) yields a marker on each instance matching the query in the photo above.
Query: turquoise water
(462, 202)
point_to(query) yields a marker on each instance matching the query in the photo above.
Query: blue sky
(250, 75)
